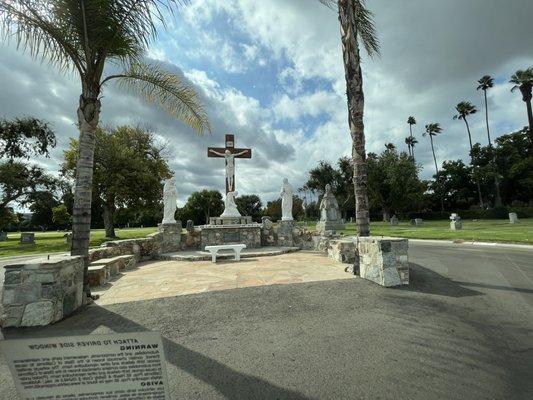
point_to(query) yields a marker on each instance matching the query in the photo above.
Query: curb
(489, 244)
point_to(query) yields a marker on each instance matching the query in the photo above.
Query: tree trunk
(487, 116)
(109, 219)
(530, 119)
(433, 151)
(356, 102)
(88, 117)
(413, 151)
(471, 161)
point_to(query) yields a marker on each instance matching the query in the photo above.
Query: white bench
(237, 248)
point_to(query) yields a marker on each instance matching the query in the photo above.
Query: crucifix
(229, 153)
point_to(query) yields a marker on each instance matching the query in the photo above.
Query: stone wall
(384, 260)
(142, 249)
(250, 235)
(40, 291)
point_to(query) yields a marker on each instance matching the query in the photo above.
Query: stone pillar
(40, 291)
(384, 260)
(513, 218)
(285, 233)
(169, 237)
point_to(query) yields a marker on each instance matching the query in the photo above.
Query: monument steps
(200, 255)
(101, 271)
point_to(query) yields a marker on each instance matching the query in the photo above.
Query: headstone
(330, 216)
(286, 200)
(3, 236)
(419, 221)
(190, 226)
(394, 221)
(412, 222)
(513, 218)
(27, 237)
(68, 237)
(455, 222)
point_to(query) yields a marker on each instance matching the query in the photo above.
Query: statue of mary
(170, 201)
(286, 201)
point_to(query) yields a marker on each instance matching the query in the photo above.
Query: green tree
(357, 27)
(84, 37)
(394, 185)
(201, 206)
(41, 205)
(454, 185)
(24, 137)
(61, 216)
(464, 109)
(273, 209)
(433, 130)
(523, 80)
(128, 170)
(250, 205)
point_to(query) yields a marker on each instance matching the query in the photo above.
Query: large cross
(229, 153)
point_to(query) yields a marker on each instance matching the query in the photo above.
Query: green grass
(480, 230)
(486, 230)
(52, 242)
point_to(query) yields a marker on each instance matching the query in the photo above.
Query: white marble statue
(170, 201)
(286, 201)
(329, 208)
(230, 208)
(230, 166)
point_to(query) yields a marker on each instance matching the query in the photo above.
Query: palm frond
(166, 89)
(486, 82)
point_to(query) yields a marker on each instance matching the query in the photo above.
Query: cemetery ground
(462, 328)
(480, 230)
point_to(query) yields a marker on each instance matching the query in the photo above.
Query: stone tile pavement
(158, 279)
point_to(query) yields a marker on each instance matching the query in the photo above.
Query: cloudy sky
(271, 72)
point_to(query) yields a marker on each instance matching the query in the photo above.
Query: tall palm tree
(84, 36)
(523, 80)
(357, 27)
(464, 109)
(485, 83)
(433, 130)
(410, 141)
(411, 121)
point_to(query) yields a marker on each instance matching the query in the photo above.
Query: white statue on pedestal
(286, 201)
(230, 208)
(170, 201)
(230, 165)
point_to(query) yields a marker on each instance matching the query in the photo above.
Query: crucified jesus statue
(230, 165)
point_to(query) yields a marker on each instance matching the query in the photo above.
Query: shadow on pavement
(424, 280)
(230, 383)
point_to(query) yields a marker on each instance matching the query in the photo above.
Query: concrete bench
(237, 248)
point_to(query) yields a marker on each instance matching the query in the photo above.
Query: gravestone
(455, 222)
(27, 237)
(68, 237)
(419, 221)
(513, 218)
(190, 226)
(3, 236)
(394, 221)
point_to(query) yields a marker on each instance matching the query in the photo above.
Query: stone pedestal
(213, 235)
(169, 237)
(384, 260)
(333, 226)
(285, 233)
(230, 220)
(513, 218)
(39, 291)
(343, 250)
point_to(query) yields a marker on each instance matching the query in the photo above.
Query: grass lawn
(487, 230)
(481, 230)
(51, 242)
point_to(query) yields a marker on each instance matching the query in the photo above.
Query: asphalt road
(463, 329)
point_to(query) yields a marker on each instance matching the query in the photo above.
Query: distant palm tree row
(522, 80)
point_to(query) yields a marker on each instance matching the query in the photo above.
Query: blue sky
(271, 72)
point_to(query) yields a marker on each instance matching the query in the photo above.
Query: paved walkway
(154, 280)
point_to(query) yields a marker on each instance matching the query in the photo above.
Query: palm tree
(410, 141)
(84, 37)
(523, 80)
(357, 27)
(464, 109)
(485, 83)
(411, 121)
(433, 130)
